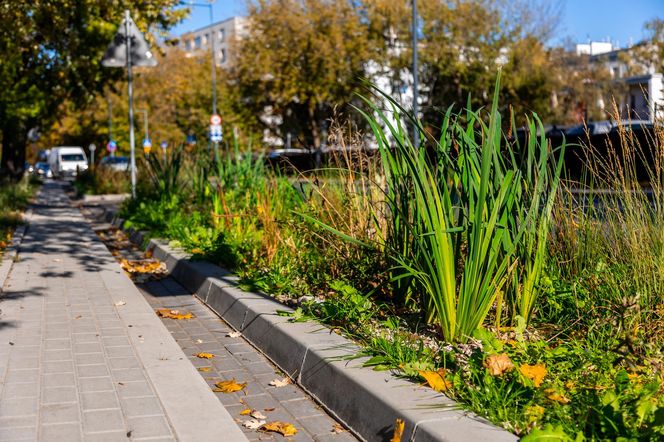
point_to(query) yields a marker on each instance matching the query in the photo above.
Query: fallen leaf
(253, 424)
(120, 303)
(337, 429)
(535, 373)
(245, 412)
(204, 355)
(235, 334)
(556, 396)
(498, 364)
(436, 379)
(399, 425)
(148, 254)
(204, 369)
(78, 317)
(228, 386)
(283, 428)
(280, 382)
(257, 414)
(173, 314)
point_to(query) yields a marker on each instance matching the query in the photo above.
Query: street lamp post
(416, 134)
(145, 122)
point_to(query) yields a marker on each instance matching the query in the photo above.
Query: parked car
(67, 161)
(43, 170)
(120, 164)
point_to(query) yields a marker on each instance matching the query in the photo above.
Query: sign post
(92, 149)
(216, 133)
(128, 49)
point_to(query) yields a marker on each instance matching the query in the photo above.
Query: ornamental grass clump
(460, 208)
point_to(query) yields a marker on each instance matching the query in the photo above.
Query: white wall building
(223, 32)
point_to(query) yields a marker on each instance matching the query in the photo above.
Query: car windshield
(72, 157)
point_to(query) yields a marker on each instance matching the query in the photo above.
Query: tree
(51, 52)
(301, 59)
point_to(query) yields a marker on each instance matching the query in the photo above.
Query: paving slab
(78, 364)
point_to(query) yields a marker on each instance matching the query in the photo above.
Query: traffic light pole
(131, 108)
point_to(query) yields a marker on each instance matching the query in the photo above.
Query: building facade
(224, 33)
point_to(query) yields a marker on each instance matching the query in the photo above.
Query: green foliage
(14, 199)
(102, 180)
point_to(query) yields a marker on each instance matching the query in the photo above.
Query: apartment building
(223, 32)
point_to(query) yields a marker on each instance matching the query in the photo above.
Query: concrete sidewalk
(82, 354)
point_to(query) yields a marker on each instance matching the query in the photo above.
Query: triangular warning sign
(116, 54)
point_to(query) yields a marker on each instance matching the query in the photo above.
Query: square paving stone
(96, 370)
(59, 413)
(128, 374)
(18, 433)
(58, 380)
(23, 362)
(61, 432)
(57, 367)
(82, 338)
(57, 344)
(150, 426)
(21, 390)
(59, 395)
(114, 352)
(302, 408)
(99, 400)
(90, 358)
(112, 436)
(141, 406)
(56, 355)
(123, 362)
(115, 341)
(87, 347)
(18, 421)
(102, 420)
(95, 384)
(134, 389)
(12, 407)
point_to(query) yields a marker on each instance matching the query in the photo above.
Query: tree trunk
(13, 149)
(313, 127)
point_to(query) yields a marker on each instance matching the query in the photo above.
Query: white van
(67, 161)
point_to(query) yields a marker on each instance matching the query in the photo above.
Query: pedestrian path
(233, 357)
(82, 354)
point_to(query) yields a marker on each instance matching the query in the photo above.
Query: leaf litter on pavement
(229, 386)
(173, 314)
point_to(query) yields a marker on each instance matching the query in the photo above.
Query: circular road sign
(215, 120)
(111, 146)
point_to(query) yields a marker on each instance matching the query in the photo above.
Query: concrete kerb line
(12, 252)
(367, 402)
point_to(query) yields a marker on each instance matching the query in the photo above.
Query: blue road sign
(112, 146)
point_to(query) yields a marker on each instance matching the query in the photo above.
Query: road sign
(191, 139)
(116, 54)
(92, 147)
(216, 133)
(111, 146)
(164, 144)
(147, 143)
(215, 120)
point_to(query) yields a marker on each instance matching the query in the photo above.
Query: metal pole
(110, 122)
(131, 107)
(214, 75)
(416, 132)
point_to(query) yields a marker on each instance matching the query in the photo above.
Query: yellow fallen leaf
(280, 382)
(204, 355)
(229, 386)
(245, 412)
(173, 314)
(556, 396)
(399, 425)
(498, 364)
(436, 379)
(535, 373)
(283, 428)
(148, 254)
(204, 369)
(337, 429)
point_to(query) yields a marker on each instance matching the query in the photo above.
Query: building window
(222, 35)
(222, 56)
(197, 42)
(206, 38)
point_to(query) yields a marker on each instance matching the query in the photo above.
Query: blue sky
(619, 20)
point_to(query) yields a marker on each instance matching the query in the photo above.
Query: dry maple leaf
(204, 355)
(228, 386)
(235, 334)
(280, 382)
(399, 425)
(204, 369)
(245, 412)
(535, 373)
(284, 428)
(337, 429)
(556, 397)
(120, 303)
(253, 424)
(498, 364)
(436, 379)
(173, 314)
